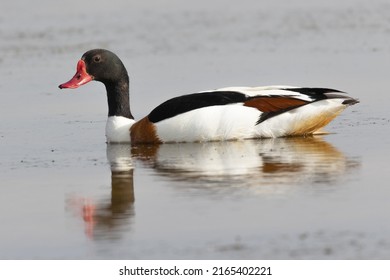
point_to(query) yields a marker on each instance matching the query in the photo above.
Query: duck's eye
(96, 58)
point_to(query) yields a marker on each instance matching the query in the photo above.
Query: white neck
(118, 129)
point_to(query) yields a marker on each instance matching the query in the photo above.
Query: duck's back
(241, 113)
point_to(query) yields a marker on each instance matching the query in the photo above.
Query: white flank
(118, 129)
(210, 124)
(231, 122)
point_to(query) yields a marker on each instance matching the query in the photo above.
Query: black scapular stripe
(186, 103)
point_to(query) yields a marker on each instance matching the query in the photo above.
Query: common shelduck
(230, 113)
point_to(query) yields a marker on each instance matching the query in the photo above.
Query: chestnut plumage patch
(268, 104)
(143, 132)
(273, 105)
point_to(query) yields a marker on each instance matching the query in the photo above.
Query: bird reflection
(249, 163)
(258, 166)
(108, 218)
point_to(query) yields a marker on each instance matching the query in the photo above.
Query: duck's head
(99, 65)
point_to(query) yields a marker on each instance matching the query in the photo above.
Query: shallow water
(65, 194)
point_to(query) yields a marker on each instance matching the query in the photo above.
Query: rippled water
(65, 194)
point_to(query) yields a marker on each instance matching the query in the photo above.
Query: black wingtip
(350, 101)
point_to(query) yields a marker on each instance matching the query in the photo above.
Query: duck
(229, 113)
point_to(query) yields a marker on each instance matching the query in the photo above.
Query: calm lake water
(65, 194)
